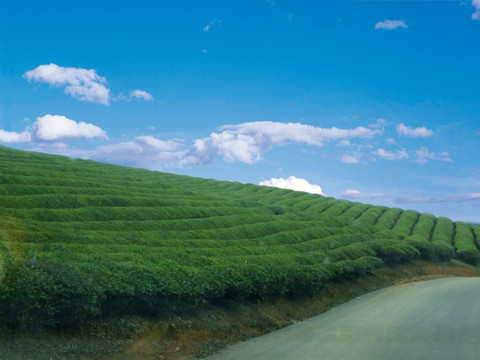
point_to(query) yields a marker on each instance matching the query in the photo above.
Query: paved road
(436, 319)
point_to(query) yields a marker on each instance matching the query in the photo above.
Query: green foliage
(443, 232)
(428, 250)
(80, 239)
(425, 226)
(27, 296)
(388, 219)
(466, 246)
(353, 213)
(393, 251)
(406, 222)
(372, 215)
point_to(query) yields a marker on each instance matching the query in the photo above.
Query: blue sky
(373, 101)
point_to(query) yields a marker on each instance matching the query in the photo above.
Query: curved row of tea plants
(81, 239)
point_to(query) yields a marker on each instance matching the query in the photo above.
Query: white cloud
(349, 159)
(57, 127)
(350, 194)
(212, 24)
(409, 199)
(390, 25)
(354, 194)
(476, 5)
(53, 128)
(82, 84)
(380, 124)
(135, 94)
(403, 130)
(423, 155)
(10, 137)
(390, 155)
(246, 142)
(60, 148)
(456, 198)
(145, 151)
(157, 144)
(141, 95)
(293, 183)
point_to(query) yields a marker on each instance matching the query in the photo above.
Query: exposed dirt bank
(209, 328)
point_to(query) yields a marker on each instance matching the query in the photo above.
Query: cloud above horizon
(349, 159)
(12, 137)
(59, 127)
(423, 155)
(293, 183)
(353, 194)
(140, 95)
(390, 155)
(476, 5)
(134, 94)
(82, 84)
(246, 142)
(407, 131)
(53, 128)
(391, 24)
(144, 151)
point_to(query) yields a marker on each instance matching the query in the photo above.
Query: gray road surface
(436, 319)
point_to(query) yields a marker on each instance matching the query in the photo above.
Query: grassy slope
(80, 239)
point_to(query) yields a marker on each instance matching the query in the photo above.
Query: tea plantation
(80, 239)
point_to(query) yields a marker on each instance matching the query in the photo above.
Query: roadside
(210, 328)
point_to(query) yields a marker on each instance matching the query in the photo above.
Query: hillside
(80, 240)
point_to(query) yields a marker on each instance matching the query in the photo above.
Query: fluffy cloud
(423, 155)
(246, 142)
(53, 128)
(145, 151)
(10, 137)
(58, 127)
(293, 183)
(407, 131)
(141, 95)
(390, 25)
(82, 84)
(390, 155)
(349, 159)
(135, 94)
(476, 5)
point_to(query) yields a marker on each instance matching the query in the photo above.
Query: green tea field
(80, 239)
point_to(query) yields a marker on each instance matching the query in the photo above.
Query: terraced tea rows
(81, 239)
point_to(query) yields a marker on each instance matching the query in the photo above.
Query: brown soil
(210, 328)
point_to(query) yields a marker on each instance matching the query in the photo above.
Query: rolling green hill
(80, 239)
